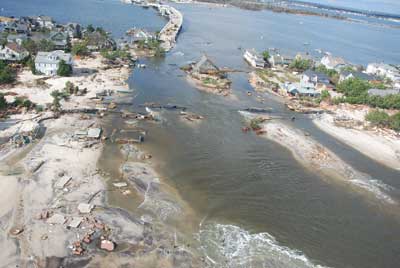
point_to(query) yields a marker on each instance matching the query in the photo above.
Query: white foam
(233, 247)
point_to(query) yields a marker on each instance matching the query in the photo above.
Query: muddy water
(254, 204)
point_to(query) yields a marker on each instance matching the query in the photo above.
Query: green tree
(80, 49)
(30, 46)
(3, 102)
(395, 122)
(64, 69)
(45, 45)
(265, 55)
(90, 28)
(300, 64)
(7, 74)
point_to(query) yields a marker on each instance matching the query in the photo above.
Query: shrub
(395, 122)
(7, 74)
(378, 118)
(80, 49)
(64, 69)
(300, 64)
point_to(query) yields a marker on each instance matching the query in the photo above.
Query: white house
(45, 22)
(47, 62)
(254, 59)
(13, 52)
(385, 70)
(331, 62)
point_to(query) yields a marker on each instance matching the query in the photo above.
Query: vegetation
(3, 102)
(31, 64)
(80, 49)
(45, 45)
(64, 69)
(116, 54)
(331, 73)
(300, 64)
(57, 97)
(152, 44)
(90, 28)
(265, 55)
(7, 74)
(382, 119)
(71, 89)
(255, 123)
(355, 91)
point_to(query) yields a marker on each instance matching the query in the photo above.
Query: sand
(380, 145)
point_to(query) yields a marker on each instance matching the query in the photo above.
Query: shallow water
(233, 179)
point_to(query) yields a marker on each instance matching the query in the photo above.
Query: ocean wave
(233, 247)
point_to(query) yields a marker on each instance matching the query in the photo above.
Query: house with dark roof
(13, 52)
(383, 92)
(360, 75)
(59, 39)
(16, 27)
(45, 22)
(205, 66)
(17, 38)
(318, 79)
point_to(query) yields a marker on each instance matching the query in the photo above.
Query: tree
(31, 64)
(3, 102)
(7, 74)
(300, 64)
(265, 55)
(395, 122)
(80, 49)
(45, 45)
(30, 46)
(64, 69)
(90, 28)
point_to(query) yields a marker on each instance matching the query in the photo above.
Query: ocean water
(386, 6)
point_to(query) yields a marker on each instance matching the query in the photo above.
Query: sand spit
(319, 159)
(379, 145)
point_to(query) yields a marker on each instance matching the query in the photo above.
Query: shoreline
(320, 160)
(382, 145)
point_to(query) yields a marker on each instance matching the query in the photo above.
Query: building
(383, 92)
(59, 39)
(73, 30)
(360, 75)
(280, 60)
(17, 38)
(13, 52)
(301, 89)
(48, 62)
(45, 22)
(331, 62)
(316, 78)
(384, 70)
(16, 27)
(254, 59)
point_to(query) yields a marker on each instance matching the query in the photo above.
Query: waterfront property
(360, 75)
(316, 78)
(254, 58)
(13, 52)
(48, 62)
(59, 39)
(333, 63)
(301, 89)
(280, 60)
(384, 70)
(17, 38)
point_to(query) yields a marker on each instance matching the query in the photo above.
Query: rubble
(60, 184)
(107, 245)
(85, 208)
(16, 230)
(75, 222)
(120, 184)
(56, 219)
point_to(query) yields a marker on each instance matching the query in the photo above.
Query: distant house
(48, 62)
(280, 60)
(254, 59)
(97, 41)
(17, 38)
(384, 70)
(316, 78)
(16, 27)
(140, 35)
(360, 75)
(45, 22)
(13, 52)
(383, 92)
(331, 62)
(59, 39)
(302, 89)
(73, 30)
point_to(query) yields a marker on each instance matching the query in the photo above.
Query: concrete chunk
(60, 184)
(85, 208)
(75, 222)
(56, 219)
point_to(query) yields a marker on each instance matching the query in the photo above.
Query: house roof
(332, 61)
(205, 64)
(52, 57)
(383, 92)
(15, 47)
(360, 75)
(320, 76)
